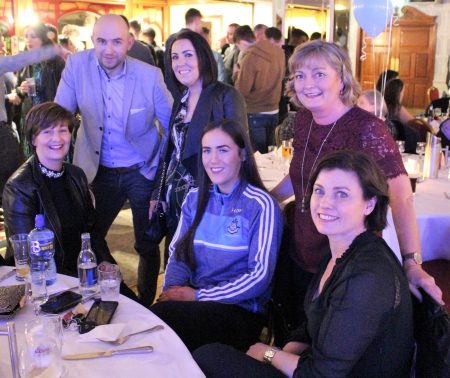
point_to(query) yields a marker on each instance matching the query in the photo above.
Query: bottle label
(39, 247)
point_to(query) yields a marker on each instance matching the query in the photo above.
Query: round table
(170, 357)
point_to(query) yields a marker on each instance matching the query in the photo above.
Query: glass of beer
(20, 246)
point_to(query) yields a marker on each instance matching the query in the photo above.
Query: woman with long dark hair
(223, 254)
(46, 76)
(203, 99)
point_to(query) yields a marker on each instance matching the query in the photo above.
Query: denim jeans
(262, 130)
(111, 190)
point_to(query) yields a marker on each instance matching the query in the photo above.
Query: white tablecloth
(170, 357)
(433, 218)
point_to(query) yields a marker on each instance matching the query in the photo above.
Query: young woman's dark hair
(41, 32)
(248, 173)
(43, 116)
(207, 65)
(371, 178)
(392, 94)
(385, 76)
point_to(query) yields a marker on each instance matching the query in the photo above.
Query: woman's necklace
(303, 207)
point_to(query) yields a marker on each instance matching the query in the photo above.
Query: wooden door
(413, 46)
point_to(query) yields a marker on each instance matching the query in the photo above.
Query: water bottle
(42, 248)
(87, 267)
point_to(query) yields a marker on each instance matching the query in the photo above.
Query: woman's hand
(257, 351)
(417, 277)
(24, 87)
(178, 293)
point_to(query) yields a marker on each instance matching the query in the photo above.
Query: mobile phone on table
(100, 313)
(61, 302)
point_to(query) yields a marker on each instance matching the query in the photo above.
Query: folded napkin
(111, 332)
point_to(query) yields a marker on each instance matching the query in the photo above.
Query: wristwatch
(416, 257)
(269, 354)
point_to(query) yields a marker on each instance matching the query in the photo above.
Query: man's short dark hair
(244, 33)
(150, 32)
(259, 27)
(192, 14)
(136, 26)
(273, 33)
(316, 35)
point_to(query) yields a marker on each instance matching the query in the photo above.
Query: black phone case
(61, 302)
(100, 313)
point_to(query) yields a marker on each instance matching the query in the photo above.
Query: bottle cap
(85, 236)
(39, 221)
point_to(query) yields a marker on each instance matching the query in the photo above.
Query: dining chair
(10, 331)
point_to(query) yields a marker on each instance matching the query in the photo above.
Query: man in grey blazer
(118, 144)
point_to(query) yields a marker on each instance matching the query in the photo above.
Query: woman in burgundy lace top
(328, 121)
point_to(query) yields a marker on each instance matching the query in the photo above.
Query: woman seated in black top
(358, 306)
(45, 184)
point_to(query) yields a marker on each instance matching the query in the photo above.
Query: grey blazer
(146, 98)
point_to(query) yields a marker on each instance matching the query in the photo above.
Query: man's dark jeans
(262, 130)
(111, 190)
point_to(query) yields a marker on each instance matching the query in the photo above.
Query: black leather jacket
(26, 195)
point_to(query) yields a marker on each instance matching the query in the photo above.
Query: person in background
(372, 101)
(329, 121)
(46, 76)
(205, 33)
(138, 50)
(358, 306)
(118, 144)
(259, 31)
(384, 77)
(223, 255)
(230, 54)
(52, 33)
(315, 35)
(202, 99)
(148, 36)
(135, 29)
(259, 79)
(296, 38)
(193, 19)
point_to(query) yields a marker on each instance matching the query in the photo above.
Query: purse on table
(11, 300)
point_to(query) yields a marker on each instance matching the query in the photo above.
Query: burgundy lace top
(355, 130)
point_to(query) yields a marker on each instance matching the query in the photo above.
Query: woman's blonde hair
(336, 57)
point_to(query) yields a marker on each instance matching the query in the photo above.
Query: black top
(361, 323)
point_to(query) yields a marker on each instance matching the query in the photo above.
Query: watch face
(417, 258)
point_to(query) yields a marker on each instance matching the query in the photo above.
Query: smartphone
(100, 313)
(61, 302)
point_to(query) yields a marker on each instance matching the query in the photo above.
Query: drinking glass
(31, 86)
(420, 149)
(437, 113)
(109, 279)
(38, 285)
(285, 149)
(19, 243)
(401, 146)
(41, 355)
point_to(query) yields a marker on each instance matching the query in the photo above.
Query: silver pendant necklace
(303, 206)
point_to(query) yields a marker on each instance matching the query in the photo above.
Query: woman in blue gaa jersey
(224, 251)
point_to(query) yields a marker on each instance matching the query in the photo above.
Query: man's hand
(178, 293)
(417, 277)
(24, 87)
(257, 351)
